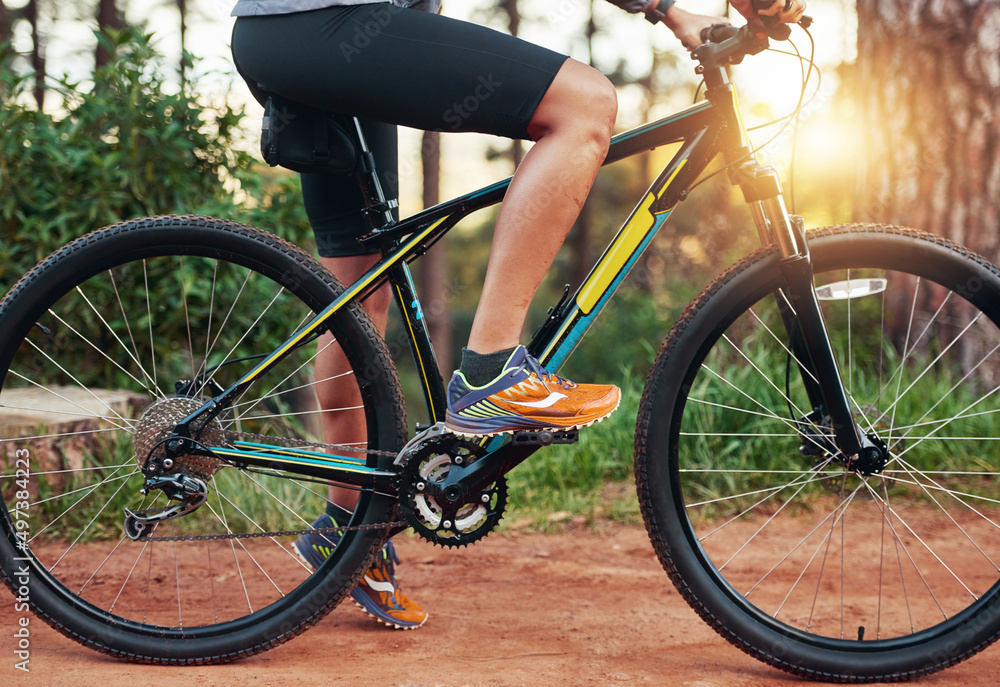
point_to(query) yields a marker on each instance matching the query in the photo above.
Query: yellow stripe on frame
(622, 249)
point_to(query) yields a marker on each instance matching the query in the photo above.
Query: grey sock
(480, 369)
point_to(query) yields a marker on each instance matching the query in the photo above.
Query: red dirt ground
(575, 608)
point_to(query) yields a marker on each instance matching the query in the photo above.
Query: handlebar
(717, 33)
(724, 44)
(730, 50)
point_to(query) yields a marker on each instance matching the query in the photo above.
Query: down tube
(626, 248)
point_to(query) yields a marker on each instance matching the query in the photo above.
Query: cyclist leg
(432, 72)
(333, 204)
(572, 128)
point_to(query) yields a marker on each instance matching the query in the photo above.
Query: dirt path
(576, 608)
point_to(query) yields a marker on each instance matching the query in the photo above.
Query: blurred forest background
(128, 121)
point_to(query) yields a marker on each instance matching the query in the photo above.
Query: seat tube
(378, 209)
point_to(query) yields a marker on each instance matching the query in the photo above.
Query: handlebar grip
(772, 27)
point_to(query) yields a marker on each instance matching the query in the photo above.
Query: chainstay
(295, 443)
(302, 443)
(282, 533)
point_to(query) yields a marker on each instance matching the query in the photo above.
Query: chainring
(434, 516)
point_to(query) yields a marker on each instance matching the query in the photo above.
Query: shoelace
(536, 367)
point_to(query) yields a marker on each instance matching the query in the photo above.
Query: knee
(602, 104)
(580, 102)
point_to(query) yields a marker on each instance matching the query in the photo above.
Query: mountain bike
(817, 430)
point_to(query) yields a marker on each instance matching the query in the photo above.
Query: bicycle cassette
(446, 514)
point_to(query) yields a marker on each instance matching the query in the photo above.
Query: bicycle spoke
(272, 392)
(143, 383)
(85, 528)
(801, 541)
(888, 513)
(187, 317)
(111, 421)
(128, 577)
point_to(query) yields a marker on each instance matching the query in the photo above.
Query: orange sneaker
(377, 593)
(526, 396)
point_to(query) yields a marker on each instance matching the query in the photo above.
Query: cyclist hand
(688, 27)
(777, 12)
(787, 11)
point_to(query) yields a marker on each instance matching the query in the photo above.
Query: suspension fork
(807, 333)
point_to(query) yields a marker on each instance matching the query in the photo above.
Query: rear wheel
(825, 567)
(99, 345)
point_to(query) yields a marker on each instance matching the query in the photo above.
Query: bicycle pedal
(545, 437)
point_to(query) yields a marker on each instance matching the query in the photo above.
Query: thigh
(400, 66)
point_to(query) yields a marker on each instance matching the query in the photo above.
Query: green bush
(128, 146)
(125, 147)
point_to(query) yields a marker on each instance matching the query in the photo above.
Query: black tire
(113, 320)
(827, 572)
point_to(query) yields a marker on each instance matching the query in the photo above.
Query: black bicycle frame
(704, 130)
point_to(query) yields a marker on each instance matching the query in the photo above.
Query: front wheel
(804, 558)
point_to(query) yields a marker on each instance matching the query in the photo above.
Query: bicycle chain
(295, 443)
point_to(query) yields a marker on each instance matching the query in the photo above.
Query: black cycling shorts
(389, 66)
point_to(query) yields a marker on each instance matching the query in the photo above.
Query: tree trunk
(108, 17)
(6, 23)
(434, 265)
(513, 13)
(929, 86)
(182, 8)
(928, 83)
(31, 13)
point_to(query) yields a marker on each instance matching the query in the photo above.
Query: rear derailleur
(189, 493)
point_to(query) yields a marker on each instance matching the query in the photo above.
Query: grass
(583, 484)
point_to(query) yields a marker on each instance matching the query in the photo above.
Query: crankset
(444, 512)
(452, 489)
